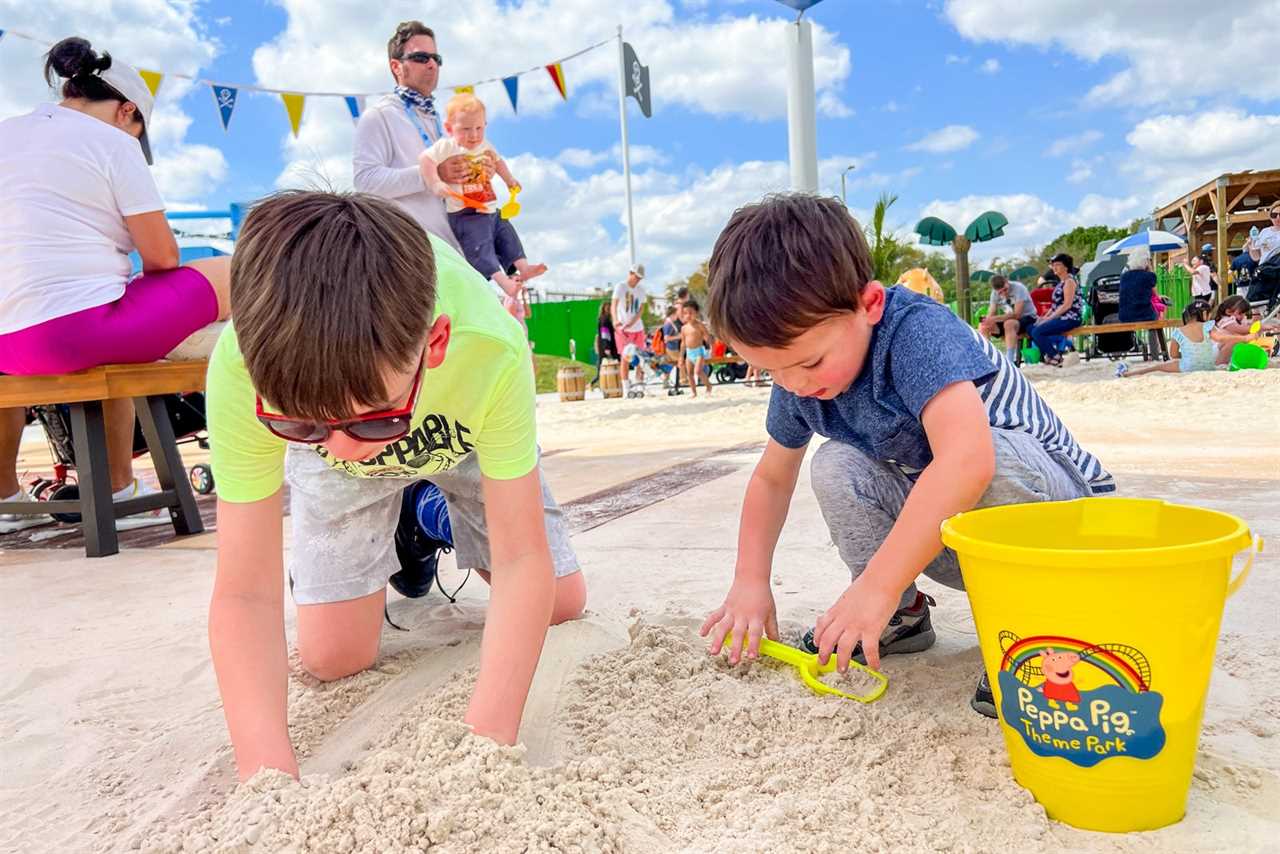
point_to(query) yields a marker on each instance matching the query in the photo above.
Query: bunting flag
(355, 105)
(557, 77)
(152, 79)
(293, 104)
(637, 79)
(459, 90)
(513, 87)
(224, 97)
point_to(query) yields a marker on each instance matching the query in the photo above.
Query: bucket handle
(1248, 565)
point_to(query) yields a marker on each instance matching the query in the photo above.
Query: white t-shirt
(1200, 285)
(67, 181)
(1268, 241)
(629, 316)
(479, 184)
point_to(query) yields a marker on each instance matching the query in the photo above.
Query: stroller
(1104, 303)
(186, 415)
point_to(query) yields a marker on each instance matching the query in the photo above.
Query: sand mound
(663, 748)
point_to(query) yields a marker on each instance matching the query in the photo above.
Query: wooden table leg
(153, 415)
(97, 515)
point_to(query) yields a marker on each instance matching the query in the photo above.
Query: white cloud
(1172, 154)
(990, 66)
(1032, 220)
(949, 138)
(582, 158)
(954, 59)
(891, 107)
(163, 34)
(1081, 171)
(1071, 144)
(1171, 49)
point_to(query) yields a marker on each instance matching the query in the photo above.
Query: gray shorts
(344, 527)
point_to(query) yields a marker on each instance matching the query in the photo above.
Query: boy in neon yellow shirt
(357, 363)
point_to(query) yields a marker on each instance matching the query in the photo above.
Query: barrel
(610, 378)
(571, 383)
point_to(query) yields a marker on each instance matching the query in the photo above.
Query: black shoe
(909, 630)
(419, 554)
(984, 702)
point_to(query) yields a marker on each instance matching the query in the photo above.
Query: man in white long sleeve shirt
(393, 132)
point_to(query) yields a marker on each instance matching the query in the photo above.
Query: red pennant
(557, 76)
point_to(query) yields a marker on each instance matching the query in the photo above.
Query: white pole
(802, 126)
(626, 151)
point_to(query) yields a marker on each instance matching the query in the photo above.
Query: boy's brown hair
(328, 291)
(783, 265)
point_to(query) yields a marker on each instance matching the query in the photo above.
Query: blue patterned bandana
(418, 101)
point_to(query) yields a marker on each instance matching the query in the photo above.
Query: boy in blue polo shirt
(924, 419)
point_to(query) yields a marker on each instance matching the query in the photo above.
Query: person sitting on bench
(1012, 314)
(78, 199)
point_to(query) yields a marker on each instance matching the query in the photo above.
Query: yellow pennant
(458, 90)
(152, 79)
(293, 104)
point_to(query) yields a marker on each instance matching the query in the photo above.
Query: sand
(634, 740)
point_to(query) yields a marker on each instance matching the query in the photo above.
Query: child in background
(490, 242)
(1191, 345)
(1232, 317)
(925, 419)
(696, 341)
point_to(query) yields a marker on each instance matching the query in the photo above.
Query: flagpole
(626, 151)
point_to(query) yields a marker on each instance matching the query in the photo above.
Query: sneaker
(984, 702)
(909, 630)
(1122, 368)
(11, 522)
(419, 555)
(144, 518)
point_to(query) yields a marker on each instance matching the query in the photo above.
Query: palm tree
(885, 248)
(935, 232)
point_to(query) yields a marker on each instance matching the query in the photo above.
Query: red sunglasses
(384, 426)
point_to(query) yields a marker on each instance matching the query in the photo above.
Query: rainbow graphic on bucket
(1082, 701)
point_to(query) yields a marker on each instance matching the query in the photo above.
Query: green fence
(1176, 285)
(552, 325)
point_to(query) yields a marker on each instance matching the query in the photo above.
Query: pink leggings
(156, 313)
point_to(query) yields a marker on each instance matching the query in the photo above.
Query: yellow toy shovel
(810, 669)
(512, 208)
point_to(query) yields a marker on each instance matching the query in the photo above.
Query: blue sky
(1055, 112)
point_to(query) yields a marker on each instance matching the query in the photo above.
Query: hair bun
(75, 57)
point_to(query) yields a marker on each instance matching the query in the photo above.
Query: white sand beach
(634, 740)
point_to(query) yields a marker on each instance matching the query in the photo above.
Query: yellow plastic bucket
(1097, 620)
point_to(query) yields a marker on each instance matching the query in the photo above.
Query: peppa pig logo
(1084, 702)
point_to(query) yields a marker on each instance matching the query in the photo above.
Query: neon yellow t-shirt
(479, 399)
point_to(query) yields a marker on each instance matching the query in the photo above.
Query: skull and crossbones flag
(637, 79)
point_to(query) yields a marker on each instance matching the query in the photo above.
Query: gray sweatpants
(861, 497)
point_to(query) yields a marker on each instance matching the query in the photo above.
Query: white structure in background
(802, 124)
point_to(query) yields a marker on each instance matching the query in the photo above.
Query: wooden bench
(1156, 326)
(83, 392)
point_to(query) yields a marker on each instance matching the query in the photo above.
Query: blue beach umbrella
(1155, 241)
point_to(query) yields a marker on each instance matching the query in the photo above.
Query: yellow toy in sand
(919, 280)
(812, 671)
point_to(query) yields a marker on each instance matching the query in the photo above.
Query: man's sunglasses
(385, 426)
(422, 57)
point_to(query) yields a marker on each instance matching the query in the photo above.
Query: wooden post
(1220, 245)
(1193, 240)
(961, 245)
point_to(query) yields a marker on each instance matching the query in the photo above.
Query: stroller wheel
(201, 477)
(40, 487)
(65, 492)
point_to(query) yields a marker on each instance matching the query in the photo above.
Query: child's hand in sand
(748, 611)
(858, 616)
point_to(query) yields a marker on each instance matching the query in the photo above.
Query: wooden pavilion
(1222, 211)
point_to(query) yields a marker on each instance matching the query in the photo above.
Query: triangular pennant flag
(225, 99)
(513, 86)
(459, 90)
(1, 34)
(557, 75)
(293, 104)
(152, 79)
(355, 104)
